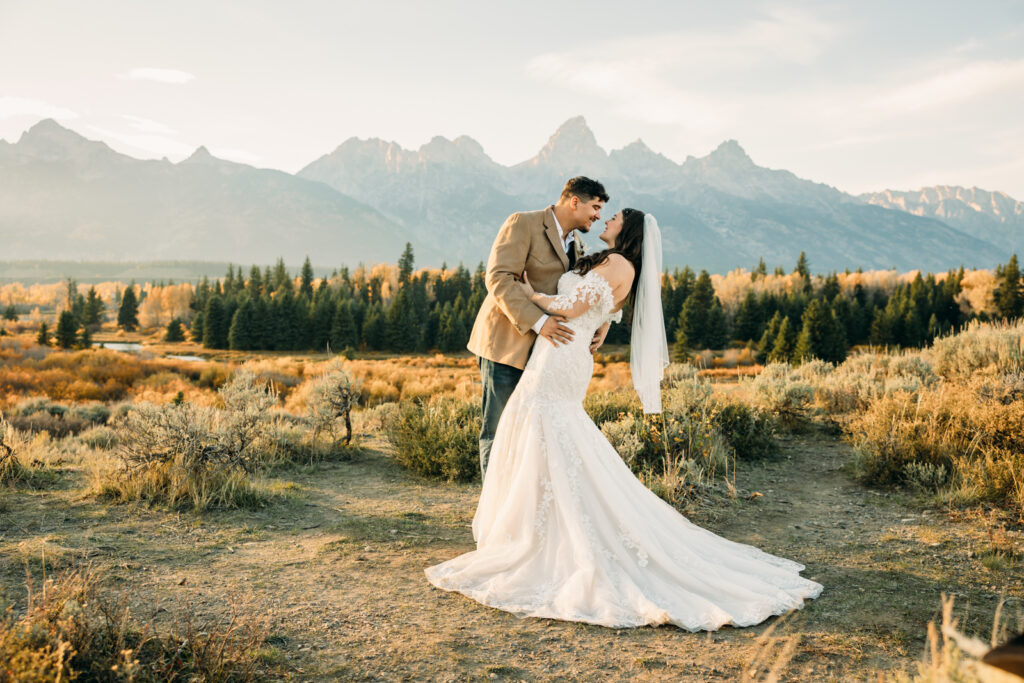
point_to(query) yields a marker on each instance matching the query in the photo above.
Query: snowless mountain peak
(48, 140)
(200, 155)
(730, 154)
(572, 145)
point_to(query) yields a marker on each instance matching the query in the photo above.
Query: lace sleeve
(588, 292)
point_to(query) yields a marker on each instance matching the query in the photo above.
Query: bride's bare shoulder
(617, 268)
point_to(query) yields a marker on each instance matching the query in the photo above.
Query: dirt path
(337, 572)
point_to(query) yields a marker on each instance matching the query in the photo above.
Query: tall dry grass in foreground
(185, 455)
(945, 420)
(951, 656)
(72, 629)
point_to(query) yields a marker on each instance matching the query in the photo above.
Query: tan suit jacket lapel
(555, 236)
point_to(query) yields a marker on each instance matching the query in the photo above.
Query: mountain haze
(65, 197)
(717, 212)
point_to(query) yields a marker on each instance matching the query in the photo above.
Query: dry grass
(945, 421)
(437, 438)
(71, 629)
(954, 656)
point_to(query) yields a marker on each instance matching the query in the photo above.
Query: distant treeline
(816, 317)
(270, 311)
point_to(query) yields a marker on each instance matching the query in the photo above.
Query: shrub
(622, 435)
(610, 406)
(964, 438)
(437, 438)
(186, 455)
(11, 469)
(994, 347)
(179, 455)
(783, 392)
(749, 431)
(214, 377)
(331, 398)
(70, 630)
(99, 437)
(95, 413)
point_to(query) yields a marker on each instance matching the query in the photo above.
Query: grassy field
(325, 563)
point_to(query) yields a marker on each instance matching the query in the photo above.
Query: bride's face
(612, 228)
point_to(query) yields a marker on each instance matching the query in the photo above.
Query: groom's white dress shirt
(567, 244)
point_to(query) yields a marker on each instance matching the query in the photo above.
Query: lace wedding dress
(565, 531)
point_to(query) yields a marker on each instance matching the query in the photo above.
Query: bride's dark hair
(629, 243)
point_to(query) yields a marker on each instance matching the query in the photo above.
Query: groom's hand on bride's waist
(599, 337)
(555, 331)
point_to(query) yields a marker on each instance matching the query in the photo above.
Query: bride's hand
(527, 288)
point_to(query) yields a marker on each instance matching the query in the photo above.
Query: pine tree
(11, 313)
(344, 332)
(785, 342)
(306, 280)
(1010, 293)
(692, 327)
(446, 335)
(405, 265)
(240, 335)
(802, 268)
(820, 335)
(67, 330)
(84, 338)
(749, 318)
(375, 327)
(92, 314)
(196, 328)
(281, 279)
(215, 324)
(43, 336)
(128, 313)
(320, 320)
(716, 334)
(830, 290)
(403, 331)
(175, 331)
(255, 284)
(767, 343)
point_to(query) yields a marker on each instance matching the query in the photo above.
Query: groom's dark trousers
(499, 382)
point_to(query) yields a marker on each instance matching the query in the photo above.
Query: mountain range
(65, 197)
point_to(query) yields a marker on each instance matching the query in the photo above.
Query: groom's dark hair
(584, 188)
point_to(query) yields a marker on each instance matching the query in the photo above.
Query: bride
(563, 529)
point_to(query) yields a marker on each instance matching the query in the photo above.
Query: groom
(542, 244)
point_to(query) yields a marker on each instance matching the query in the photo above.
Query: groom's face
(585, 212)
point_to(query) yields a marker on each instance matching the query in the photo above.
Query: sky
(864, 96)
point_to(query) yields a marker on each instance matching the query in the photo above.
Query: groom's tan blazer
(528, 241)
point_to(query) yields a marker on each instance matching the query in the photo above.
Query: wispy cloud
(705, 85)
(947, 86)
(670, 77)
(25, 106)
(155, 139)
(148, 125)
(239, 155)
(174, 76)
(160, 145)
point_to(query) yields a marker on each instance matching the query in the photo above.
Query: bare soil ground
(336, 571)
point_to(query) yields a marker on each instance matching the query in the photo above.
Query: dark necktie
(572, 255)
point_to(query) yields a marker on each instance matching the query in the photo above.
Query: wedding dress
(564, 530)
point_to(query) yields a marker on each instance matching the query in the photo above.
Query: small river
(135, 347)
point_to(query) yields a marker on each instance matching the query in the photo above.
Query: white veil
(649, 345)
